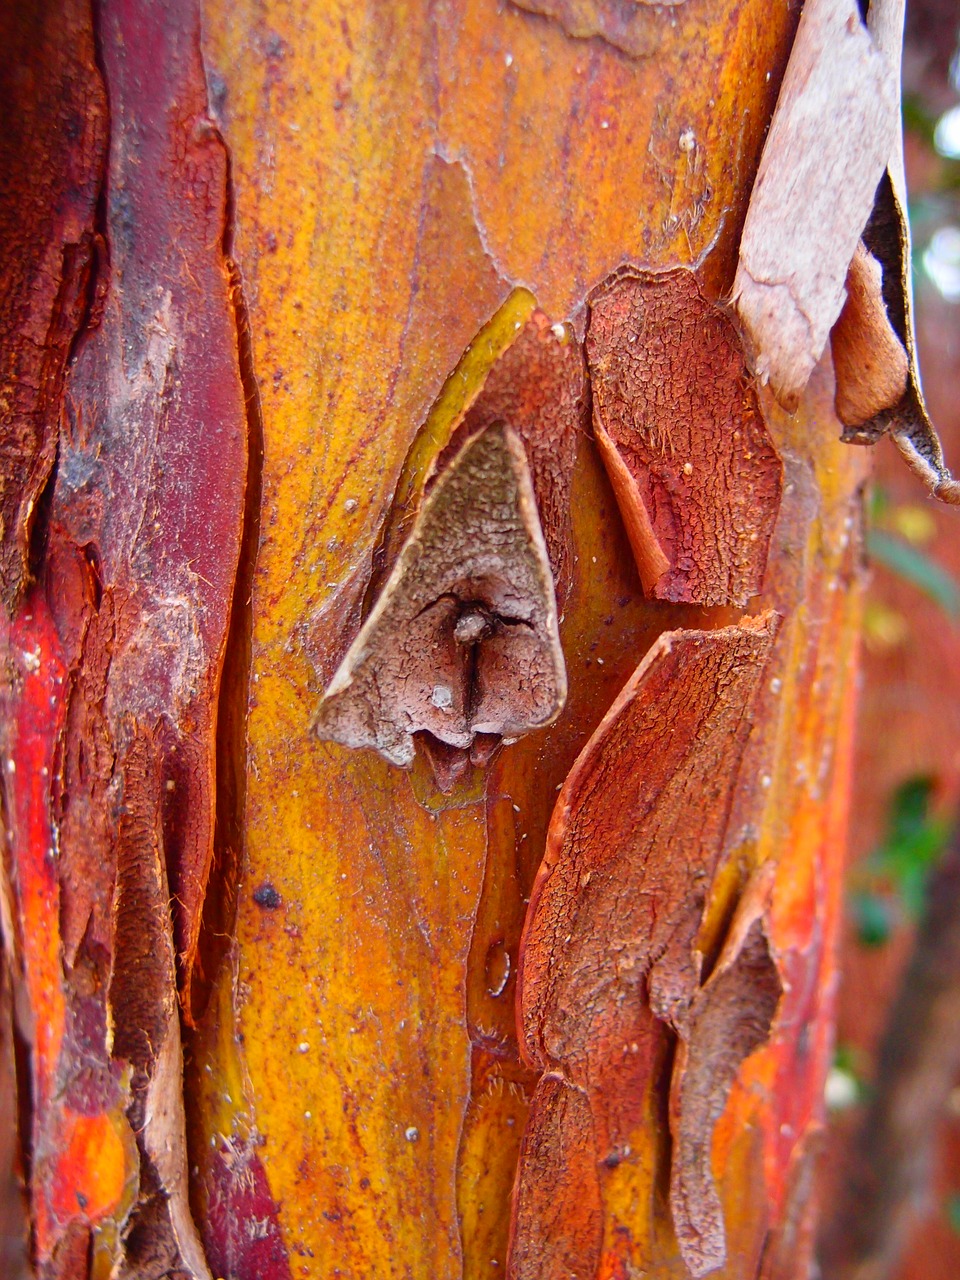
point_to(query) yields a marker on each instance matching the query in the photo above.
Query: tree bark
(558, 1006)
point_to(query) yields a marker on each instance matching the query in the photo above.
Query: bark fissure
(219, 908)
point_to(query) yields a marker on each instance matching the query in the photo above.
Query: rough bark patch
(681, 433)
(833, 132)
(153, 437)
(608, 947)
(557, 1225)
(463, 639)
(51, 155)
(729, 1018)
(626, 24)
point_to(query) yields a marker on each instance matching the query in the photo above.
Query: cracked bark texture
(608, 960)
(265, 987)
(678, 423)
(113, 657)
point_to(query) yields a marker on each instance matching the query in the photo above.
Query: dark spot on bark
(266, 896)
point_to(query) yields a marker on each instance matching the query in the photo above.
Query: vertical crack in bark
(220, 903)
(234, 1188)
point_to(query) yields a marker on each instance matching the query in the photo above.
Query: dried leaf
(833, 131)
(728, 1019)
(463, 639)
(680, 430)
(869, 361)
(608, 950)
(888, 237)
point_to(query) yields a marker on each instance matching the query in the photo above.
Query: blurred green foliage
(890, 883)
(917, 568)
(952, 1209)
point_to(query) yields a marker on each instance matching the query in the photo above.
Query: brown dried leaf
(888, 238)
(680, 430)
(869, 361)
(463, 639)
(833, 131)
(728, 1019)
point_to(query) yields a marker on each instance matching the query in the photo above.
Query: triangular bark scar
(463, 639)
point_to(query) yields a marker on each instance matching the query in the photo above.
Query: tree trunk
(369, 384)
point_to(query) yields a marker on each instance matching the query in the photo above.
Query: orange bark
(339, 244)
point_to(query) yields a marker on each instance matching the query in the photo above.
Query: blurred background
(892, 1173)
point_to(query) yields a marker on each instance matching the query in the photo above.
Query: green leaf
(872, 916)
(913, 843)
(916, 567)
(918, 119)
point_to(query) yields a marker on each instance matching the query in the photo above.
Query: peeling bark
(608, 958)
(280, 379)
(729, 1017)
(810, 205)
(869, 360)
(680, 431)
(888, 237)
(120, 643)
(814, 191)
(52, 149)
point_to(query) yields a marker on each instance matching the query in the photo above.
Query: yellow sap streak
(338, 118)
(459, 392)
